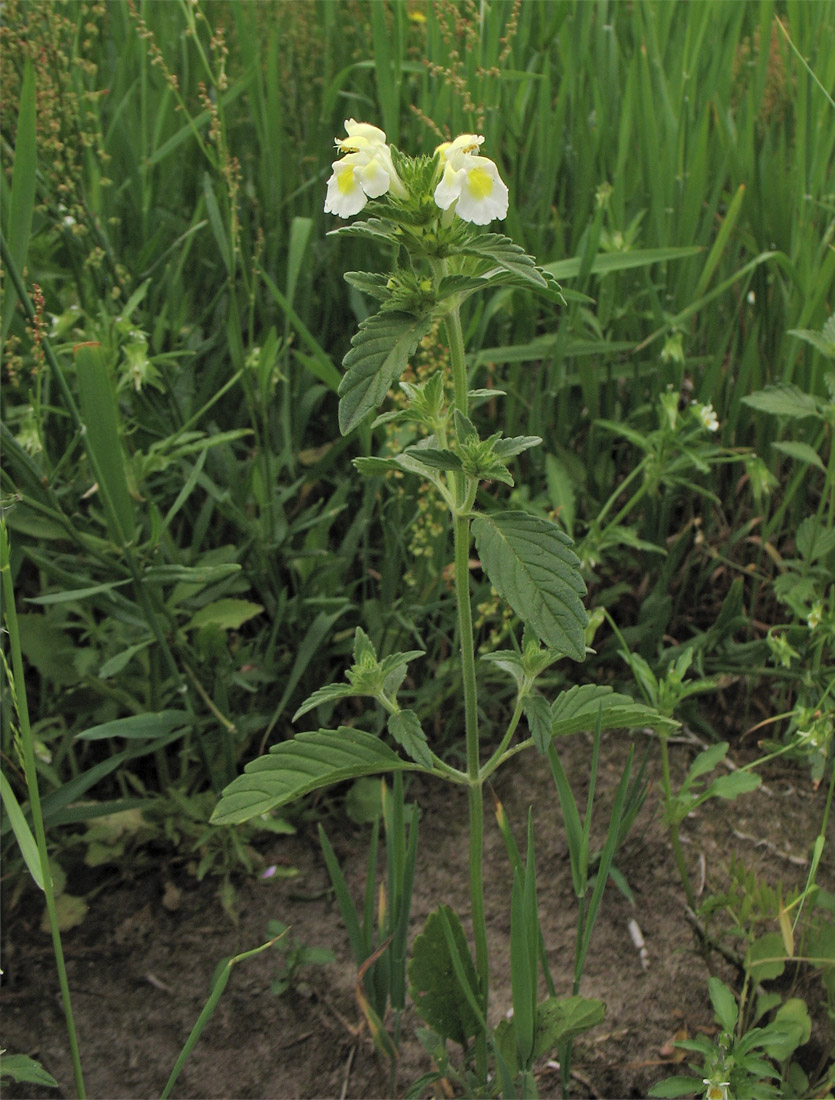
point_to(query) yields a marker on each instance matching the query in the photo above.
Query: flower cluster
(469, 185)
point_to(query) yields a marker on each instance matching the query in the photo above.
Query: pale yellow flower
(366, 170)
(470, 184)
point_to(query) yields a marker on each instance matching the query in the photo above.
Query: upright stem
(461, 528)
(673, 826)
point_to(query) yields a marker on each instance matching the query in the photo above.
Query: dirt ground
(140, 969)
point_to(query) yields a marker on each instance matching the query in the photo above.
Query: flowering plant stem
(462, 540)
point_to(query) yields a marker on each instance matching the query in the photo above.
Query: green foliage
(182, 525)
(380, 950)
(25, 1070)
(307, 763)
(433, 984)
(530, 564)
(294, 956)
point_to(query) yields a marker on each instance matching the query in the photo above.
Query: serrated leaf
(292, 769)
(802, 452)
(460, 284)
(433, 984)
(814, 541)
(538, 713)
(434, 458)
(379, 354)
(363, 647)
(578, 709)
(783, 399)
(515, 445)
(375, 229)
(824, 340)
(496, 471)
(375, 467)
(501, 251)
(406, 730)
(465, 430)
(531, 566)
(327, 694)
(376, 286)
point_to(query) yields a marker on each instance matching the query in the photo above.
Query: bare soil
(141, 963)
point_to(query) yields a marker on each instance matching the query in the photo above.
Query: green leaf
(379, 354)
(103, 438)
(605, 263)
(292, 769)
(814, 541)
(138, 726)
(25, 1070)
(375, 229)
(724, 1004)
(802, 452)
(114, 664)
(515, 445)
(327, 694)
(793, 1020)
(435, 459)
(190, 574)
(531, 566)
(706, 761)
(376, 286)
(72, 594)
(824, 340)
(783, 399)
(731, 786)
(227, 614)
(676, 1086)
(765, 959)
(433, 984)
(538, 713)
(406, 730)
(23, 834)
(501, 251)
(509, 662)
(560, 1019)
(578, 709)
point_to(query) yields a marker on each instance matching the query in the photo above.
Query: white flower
(366, 171)
(707, 416)
(716, 1090)
(470, 182)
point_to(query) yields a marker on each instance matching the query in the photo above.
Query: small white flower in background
(470, 182)
(366, 170)
(813, 620)
(707, 416)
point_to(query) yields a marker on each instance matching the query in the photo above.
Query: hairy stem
(461, 528)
